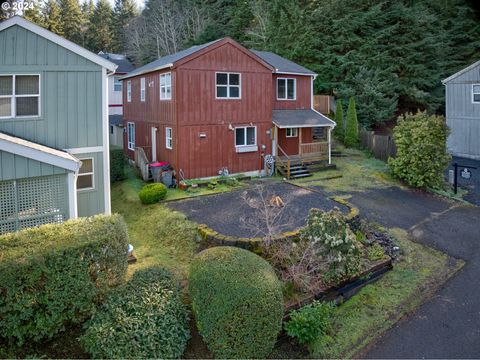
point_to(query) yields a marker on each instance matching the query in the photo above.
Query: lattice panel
(32, 202)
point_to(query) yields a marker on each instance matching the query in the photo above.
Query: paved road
(448, 325)
(472, 184)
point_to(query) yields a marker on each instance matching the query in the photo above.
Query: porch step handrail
(279, 159)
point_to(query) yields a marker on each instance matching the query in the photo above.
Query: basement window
(476, 93)
(19, 96)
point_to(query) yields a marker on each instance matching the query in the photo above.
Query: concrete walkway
(448, 325)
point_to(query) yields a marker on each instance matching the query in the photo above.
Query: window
(228, 86)
(19, 96)
(85, 175)
(142, 89)
(166, 86)
(117, 84)
(131, 136)
(111, 129)
(168, 138)
(476, 93)
(129, 91)
(245, 136)
(292, 132)
(286, 89)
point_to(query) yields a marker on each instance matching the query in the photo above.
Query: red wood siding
(304, 93)
(290, 144)
(198, 111)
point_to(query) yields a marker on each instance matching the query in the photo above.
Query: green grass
(378, 306)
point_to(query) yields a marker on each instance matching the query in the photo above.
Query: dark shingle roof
(299, 118)
(124, 66)
(281, 64)
(115, 119)
(169, 59)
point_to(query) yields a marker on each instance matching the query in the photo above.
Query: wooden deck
(300, 165)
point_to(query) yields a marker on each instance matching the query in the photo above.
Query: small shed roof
(282, 65)
(42, 153)
(300, 118)
(115, 119)
(457, 74)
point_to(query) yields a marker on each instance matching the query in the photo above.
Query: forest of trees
(389, 55)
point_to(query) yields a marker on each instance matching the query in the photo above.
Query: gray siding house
(54, 159)
(462, 92)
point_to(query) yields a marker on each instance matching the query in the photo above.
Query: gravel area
(230, 213)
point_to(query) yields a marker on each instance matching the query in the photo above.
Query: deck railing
(314, 148)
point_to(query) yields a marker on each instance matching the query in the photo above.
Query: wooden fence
(382, 146)
(324, 104)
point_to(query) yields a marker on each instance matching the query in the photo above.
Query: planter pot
(182, 185)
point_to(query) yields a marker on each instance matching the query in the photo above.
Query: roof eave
(277, 71)
(457, 74)
(158, 68)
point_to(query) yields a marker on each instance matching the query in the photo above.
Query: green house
(54, 160)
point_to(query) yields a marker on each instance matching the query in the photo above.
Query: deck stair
(299, 171)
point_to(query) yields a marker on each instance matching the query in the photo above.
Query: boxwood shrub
(143, 319)
(237, 302)
(117, 164)
(54, 275)
(152, 193)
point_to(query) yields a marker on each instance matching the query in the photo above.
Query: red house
(220, 105)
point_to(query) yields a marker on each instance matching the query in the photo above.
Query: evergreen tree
(34, 13)
(124, 11)
(100, 34)
(52, 20)
(351, 127)
(71, 20)
(339, 130)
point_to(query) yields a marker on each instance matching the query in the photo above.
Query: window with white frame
(129, 91)
(142, 89)
(228, 86)
(286, 89)
(19, 96)
(476, 93)
(165, 86)
(292, 132)
(131, 136)
(168, 138)
(85, 175)
(245, 136)
(117, 84)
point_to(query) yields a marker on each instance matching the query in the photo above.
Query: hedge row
(54, 275)
(237, 301)
(117, 164)
(143, 319)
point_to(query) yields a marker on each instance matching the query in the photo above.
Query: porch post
(300, 130)
(72, 195)
(329, 137)
(275, 136)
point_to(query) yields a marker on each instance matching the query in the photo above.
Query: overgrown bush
(143, 319)
(421, 150)
(237, 302)
(232, 181)
(53, 275)
(152, 193)
(117, 164)
(311, 323)
(351, 126)
(339, 130)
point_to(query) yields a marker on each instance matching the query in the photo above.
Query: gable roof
(282, 65)
(457, 74)
(30, 26)
(42, 153)
(124, 65)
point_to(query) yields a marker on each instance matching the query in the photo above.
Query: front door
(154, 144)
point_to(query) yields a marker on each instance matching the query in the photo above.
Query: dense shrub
(117, 164)
(351, 126)
(237, 302)
(339, 130)
(152, 193)
(310, 323)
(421, 150)
(53, 275)
(143, 319)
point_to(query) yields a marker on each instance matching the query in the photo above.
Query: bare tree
(258, 30)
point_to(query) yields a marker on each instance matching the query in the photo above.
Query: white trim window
(286, 89)
(476, 93)
(131, 136)
(245, 136)
(166, 86)
(19, 96)
(85, 177)
(142, 89)
(291, 132)
(129, 91)
(228, 85)
(117, 84)
(169, 138)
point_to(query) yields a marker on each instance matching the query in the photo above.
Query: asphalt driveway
(230, 213)
(448, 325)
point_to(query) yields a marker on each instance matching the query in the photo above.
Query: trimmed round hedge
(237, 301)
(143, 319)
(152, 193)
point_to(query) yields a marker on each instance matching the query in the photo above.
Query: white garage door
(33, 202)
